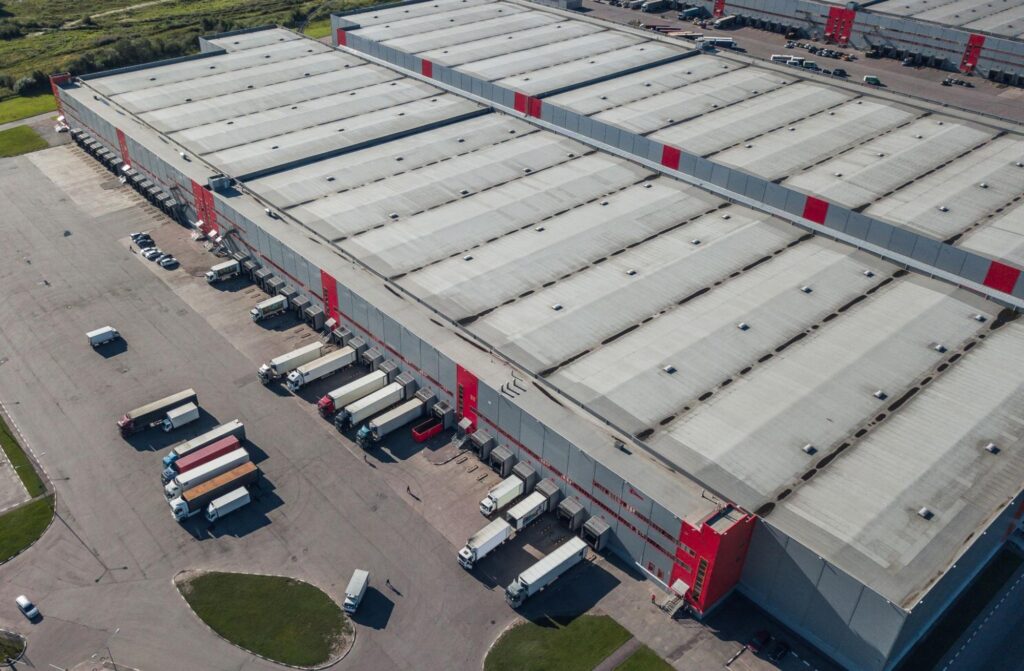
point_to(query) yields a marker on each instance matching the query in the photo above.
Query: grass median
(644, 659)
(22, 526)
(20, 461)
(22, 107)
(280, 618)
(20, 140)
(579, 644)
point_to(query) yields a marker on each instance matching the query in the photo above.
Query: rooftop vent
(919, 136)
(838, 174)
(462, 139)
(539, 229)
(809, 449)
(727, 216)
(1019, 164)
(604, 203)
(571, 155)
(647, 185)
(869, 273)
(992, 448)
(670, 369)
(695, 241)
(881, 395)
(984, 185)
(926, 513)
(556, 307)
(980, 318)
(393, 216)
(940, 348)
(806, 289)
(527, 170)
(943, 208)
(467, 257)
(749, 146)
(464, 192)
(792, 128)
(399, 158)
(604, 97)
(631, 272)
(881, 154)
(270, 213)
(743, 326)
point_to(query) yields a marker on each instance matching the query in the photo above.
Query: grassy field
(319, 28)
(22, 526)
(21, 107)
(644, 659)
(578, 645)
(280, 618)
(33, 483)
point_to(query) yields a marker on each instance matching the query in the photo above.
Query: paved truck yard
(759, 329)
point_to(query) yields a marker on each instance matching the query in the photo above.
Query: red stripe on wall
(426, 68)
(521, 102)
(1001, 277)
(330, 288)
(55, 82)
(972, 52)
(719, 9)
(670, 157)
(815, 209)
(123, 143)
(341, 36)
(533, 108)
(466, 388)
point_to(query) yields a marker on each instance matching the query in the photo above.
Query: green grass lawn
(20, 140)
(286, 620)
(10, 649)
(319, 28)
(579, 645)
(644, 659)
(22, 526)
(19, 460)
(21, 107)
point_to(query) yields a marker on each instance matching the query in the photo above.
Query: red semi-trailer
(206, 454)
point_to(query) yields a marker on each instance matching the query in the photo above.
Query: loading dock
(572, 513)
(502, 460)
(595, 533)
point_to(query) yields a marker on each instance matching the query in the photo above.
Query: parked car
(168, 262)
(138, 234)
(826, 71)
(151, 253)
(839, 72)
(779, 652)
(27, 608)
(759, 641)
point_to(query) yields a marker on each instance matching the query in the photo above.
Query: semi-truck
(654, 5)
(269, 308)
(482, 542)
(227, 504)
(397, 417)
(223, 271)
(368, 406)
(286, 363)
(233, 428)
(351, 392)
(321, 368)
(202, 456)
(211, 469)
(526, 511)
(545, 572)
(501, 495)
(194, 500)
(146, 416)
(179, 417)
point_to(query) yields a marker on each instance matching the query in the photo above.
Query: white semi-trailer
(321, 368)
(354, 413)
(286, 363)
(393, 419)
(197, 476)
(501, 495)
(351, 392)
(545, 572)
(526, 511)
(482, 542)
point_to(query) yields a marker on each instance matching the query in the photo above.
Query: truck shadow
(314, 391)
(375, 610)
(156, 440)
(232, 286)
(280, 322)
(572, 595)
(504, 563)
(241, 522)
(400, 445)
(112, 349)
(256, 453)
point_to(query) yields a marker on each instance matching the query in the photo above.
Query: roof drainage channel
(998, 281)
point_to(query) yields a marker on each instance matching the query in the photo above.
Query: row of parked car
(151, 252)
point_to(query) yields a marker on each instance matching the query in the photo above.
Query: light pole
(107, 646)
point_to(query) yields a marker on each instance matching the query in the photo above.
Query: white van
(356, 590)
(103, 335)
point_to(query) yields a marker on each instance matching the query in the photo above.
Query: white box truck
(328, 364)
(351, 392)
(368, 406)
(227, 504)
(269, 308)
(482, 542)
(501, 495)
(211, 469)
(545, 572)
(282, 365)
(179, 417)
(526, 511)
(223, 271)
(102, 336)
(356, 590)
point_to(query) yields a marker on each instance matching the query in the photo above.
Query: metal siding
(581, 468)
(410, 348)
(446, 373)
(766, 552)
(795, 202)
(632, 543)
(736, 182)
(877, 622)
(950, 259)
(775, 196)
(654, 151)
(556, 452)
(974, 268)
(879, 233)
(926, 250)
(345, 302)
(836, 217)
(509, 417)
(359, 309)
(428, 362)
(858, 225)
(687, 163)
(1018, 290)
(703, 168)
(531, 435)
(796, 578)
(487, 402)
(720, 175)
(902, 241)
(389, 330)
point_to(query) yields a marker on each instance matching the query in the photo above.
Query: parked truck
(146, 416)
(194, 500)
(545, 572)
(286, 363)
(526, 511)
(211, 469)
(202, 456)
(356, 590)
(501, 495)
(179, 417)
(351, 392)
(269, 308)
(233, 428)
(482, 542)
(368, 406)
(328, 364)
(223, 271)
(227, 504)
(397, 417)
(102, 335)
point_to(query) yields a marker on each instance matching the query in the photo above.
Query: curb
(326, 665)
(24, 648)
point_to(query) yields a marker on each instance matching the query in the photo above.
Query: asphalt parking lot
(401, 509)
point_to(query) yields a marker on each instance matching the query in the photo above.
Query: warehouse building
(558, 226)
